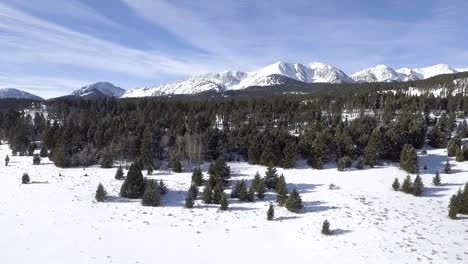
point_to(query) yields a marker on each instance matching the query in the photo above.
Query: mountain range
(274, 74)
(315, 72)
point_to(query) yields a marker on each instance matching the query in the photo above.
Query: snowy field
(56, 220)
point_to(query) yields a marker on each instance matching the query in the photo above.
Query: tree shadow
(175, 198)
(283, 218)
(118, 199)
(239, 208)
(39, 182)
(339, 232)
(316, 206)
(462, 217)
(434, 191)
(303, 187)
(451, 184)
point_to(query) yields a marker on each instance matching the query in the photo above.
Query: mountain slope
(379, 73)
(17, 94)
(99, 89)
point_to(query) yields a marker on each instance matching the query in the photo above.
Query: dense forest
(181, 132)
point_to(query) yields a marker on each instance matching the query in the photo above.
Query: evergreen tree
(453, 146)
(341, 164)
(100, 193)
(371, 153)
(194, 190)
(219, 170)
(218, 193)
(207, 194)
(106, 159)
(256, 180)
(281, 191)
(407, 186)
(436, 181)
(25, 178)
(149, 170)
(146, 147)
(152, 194)
(290, 153)
(243, 193)
(119, 175)
(447, 167)
(409, 159)
(175, 164)
(134, 184)
(36, 160)
(189, 201)
(223, 202)
(197, 176)
(267, 155)
(261, 189)
(437, 137)
(294, 202)
(43, 153)
(162, 187)
(460, 157)
(360, 163)
(453, 210)
(235, 190)
(396, 185)
(271, 212)
(326, 228)
(250, 194)
(7, 160)
(418, 186)
(271, 177)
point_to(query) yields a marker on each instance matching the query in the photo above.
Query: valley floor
(55, 219)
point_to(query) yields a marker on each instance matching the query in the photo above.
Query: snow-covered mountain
(99, 89)
(236, 80)
(210, 81)
(18, 94)
(379, 73)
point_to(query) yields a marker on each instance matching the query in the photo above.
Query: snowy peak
(99, 89)
(428, 72)
(210, 81)
(329, 74)
(379, 73)
(7, 93)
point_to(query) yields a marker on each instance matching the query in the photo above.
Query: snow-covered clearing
(56, 220)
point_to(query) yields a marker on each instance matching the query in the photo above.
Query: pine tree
(106, 159)
(149, 170)
(453, 146)
(194, 190)
(7, 160)
(360, 163)
(407, 186)
(271, 212)
(341, 164)
(294, 202)
(460, 157)
(267, 155)
(189, 201)
(25, 178)
(281, 191)
(162, 187)
(396, 185)
(436, 181)
(175, 164)
(261, 189)
(256, 180)
(119, 175)
(217, 193)
(418, 186)
(43, 153)
(453, 210)
(146, 146)
(447, 167)
(134, 184)
(197, 176)
(235, 190)
(36, 159)
(437, 137)
(152, 194)
(409, 159)
(223, 202)
(271, 177)
(207, 194)
(250, 194)
(243, 192)
(371, 153)
(326, 228)
(290, 153)
(101, 193)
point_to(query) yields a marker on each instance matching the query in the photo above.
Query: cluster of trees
(275, 129)
(459, 203)
(415, 187)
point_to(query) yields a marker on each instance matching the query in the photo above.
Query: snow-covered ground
(56, 220)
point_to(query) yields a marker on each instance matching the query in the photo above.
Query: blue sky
(51, 47)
